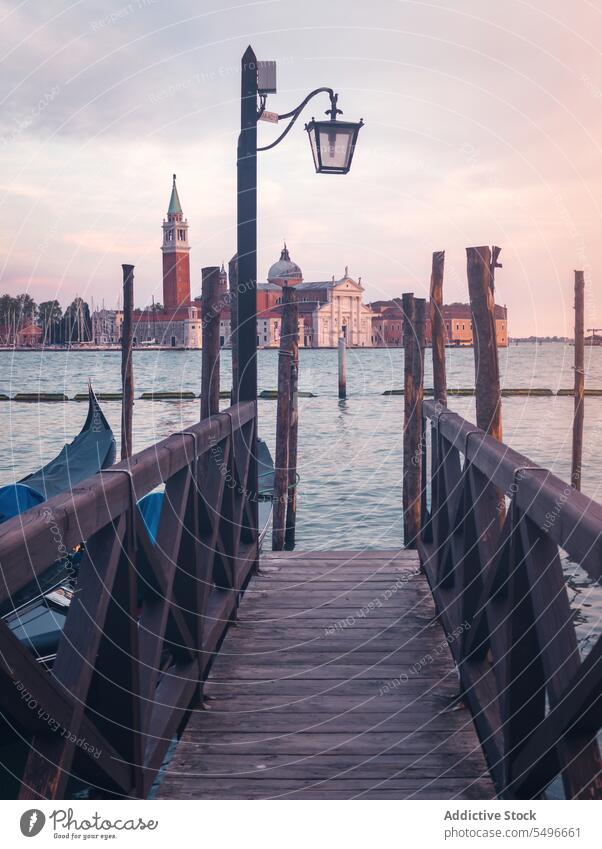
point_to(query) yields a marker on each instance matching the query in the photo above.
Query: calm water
(350, 453)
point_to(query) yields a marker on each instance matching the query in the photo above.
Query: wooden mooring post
(291, 496)
(438, 328)
(127, 368)
(481, 266)
(211, 308)
(342, 365)
(283, 421)
(414, 311)
(577, 455)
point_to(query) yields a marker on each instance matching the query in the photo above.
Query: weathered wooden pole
(233, 282)
(409, 315)
(211, 309)
(342, 366)
(413, 342)
(419, 506)
(291, 498)
(438, 328)
(480, 267)
(579, 380)
(283, 423)
(127, 370)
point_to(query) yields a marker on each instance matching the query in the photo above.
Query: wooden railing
(491, 545)
(147, 615)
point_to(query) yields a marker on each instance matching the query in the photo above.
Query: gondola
(38, 618)
(91, 450)
(36, 615)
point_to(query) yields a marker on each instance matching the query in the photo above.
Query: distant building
(327, 309)
(106, 326)
(178, 324)
(29, 336)
(176, 256)
(387, 324)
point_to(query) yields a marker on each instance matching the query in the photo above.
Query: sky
(483, 125)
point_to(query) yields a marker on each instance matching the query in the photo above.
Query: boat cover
(91, 450)
(16, 498)
(150, 510)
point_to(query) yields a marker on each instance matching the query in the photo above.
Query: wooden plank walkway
(336, 682)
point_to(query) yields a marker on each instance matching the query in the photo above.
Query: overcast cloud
(483, 125)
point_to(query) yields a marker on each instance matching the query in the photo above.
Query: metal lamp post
(332, 145)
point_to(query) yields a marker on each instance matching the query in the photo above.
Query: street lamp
(332, 144)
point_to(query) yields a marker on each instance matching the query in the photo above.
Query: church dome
(285, 268)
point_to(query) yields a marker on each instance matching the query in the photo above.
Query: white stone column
(332, 333)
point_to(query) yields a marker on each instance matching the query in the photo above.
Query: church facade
(328, 309)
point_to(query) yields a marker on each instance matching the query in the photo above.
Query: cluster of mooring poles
(481, 265)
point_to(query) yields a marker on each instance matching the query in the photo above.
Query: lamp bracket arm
(294, 114)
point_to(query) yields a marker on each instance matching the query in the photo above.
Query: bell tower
(176, 255)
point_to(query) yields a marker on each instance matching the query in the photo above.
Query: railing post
(283, 422)
(211, 308)
(438, 328)
(487, 374)
(127, 369)
(413, 340)
(577, 453)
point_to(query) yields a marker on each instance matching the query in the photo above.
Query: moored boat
(38, 616)
(91, 450)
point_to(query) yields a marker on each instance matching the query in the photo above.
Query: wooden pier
(336, 683)
(450, 671)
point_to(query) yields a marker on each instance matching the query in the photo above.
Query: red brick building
(387, 324)
(179, 323)
(176, 255)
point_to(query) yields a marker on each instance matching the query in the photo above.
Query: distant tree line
(58, 327)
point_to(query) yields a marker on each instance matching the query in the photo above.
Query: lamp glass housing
(332, 144)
